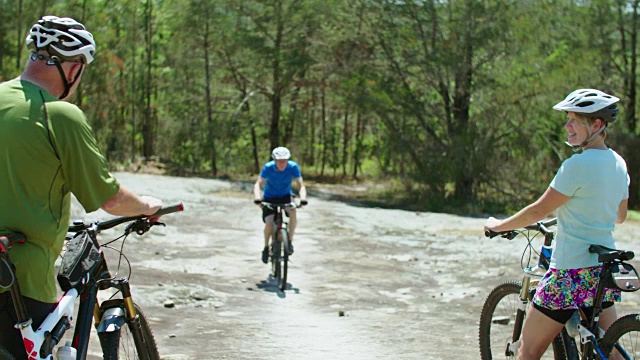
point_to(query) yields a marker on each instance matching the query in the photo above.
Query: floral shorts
(571, 289)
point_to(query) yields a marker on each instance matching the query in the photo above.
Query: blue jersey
(278, 183)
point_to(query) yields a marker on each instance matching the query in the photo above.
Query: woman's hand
(491, 224)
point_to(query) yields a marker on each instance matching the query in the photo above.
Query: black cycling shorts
(10, 337)
(562, 316)
(279, 200)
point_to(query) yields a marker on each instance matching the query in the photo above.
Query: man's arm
(127, 203)
(257, 193)
(302, 189)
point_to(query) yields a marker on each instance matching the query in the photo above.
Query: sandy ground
(410, 284)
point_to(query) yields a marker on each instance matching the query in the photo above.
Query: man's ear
(75, 71)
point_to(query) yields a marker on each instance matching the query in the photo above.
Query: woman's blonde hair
(588, 120)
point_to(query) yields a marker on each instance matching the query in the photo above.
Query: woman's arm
(545, 205)
(622, 211)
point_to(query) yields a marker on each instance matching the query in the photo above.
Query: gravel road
(410, 285)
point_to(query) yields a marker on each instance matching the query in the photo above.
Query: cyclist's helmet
(281, 153)
(64, 38)
(590, 102)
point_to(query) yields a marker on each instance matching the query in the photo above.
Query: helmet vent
(585, 103)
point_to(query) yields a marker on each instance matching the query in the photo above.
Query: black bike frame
(592, 323)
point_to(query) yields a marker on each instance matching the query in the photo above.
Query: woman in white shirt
(589, 194)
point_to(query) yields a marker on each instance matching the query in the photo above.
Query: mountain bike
(504, 310)
(123, 329)
(278, 253)
(621, 340)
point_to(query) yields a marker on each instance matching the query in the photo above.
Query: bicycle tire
(284, 240)
(5, 354)
(620, 332)
(497, 340)
(275, 257)
(121, 344)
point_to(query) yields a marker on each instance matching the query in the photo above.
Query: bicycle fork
(512, 347)
(113, 314)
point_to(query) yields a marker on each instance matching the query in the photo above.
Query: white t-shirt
(597, 182)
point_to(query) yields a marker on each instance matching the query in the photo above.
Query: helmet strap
(67, 85)
(589, 139)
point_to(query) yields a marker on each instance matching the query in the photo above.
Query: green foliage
(449, 102)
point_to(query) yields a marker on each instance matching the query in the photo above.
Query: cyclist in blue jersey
(276, 178)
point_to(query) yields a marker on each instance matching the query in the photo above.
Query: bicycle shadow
(271, 285)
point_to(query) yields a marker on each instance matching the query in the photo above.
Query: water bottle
(545, 256)
(66, 352)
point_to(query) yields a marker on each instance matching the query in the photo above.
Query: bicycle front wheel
(284, 240)
(624, 336)
(497, 322)
(276, 248)
(122, 344)
(5, 355)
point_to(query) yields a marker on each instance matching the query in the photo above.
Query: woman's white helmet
(590, 102)
(64, 38)
(281, 153)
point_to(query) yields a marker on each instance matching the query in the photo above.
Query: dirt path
(410, 285)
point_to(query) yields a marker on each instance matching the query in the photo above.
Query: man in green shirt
(47, 152)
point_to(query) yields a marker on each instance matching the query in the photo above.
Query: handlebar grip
(257, 201)
(304, 202)
(169, 209)
(490, 233)
(509, 234)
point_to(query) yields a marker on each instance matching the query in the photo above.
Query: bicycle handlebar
(107, 224)
(510, 234)
(292, 205)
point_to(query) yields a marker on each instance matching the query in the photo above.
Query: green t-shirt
(47, 152)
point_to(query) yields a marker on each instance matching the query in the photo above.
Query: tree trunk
(274, 135)
(147, 127)
(254, 142)
(293, 117)
(356, 152)
(276, 98)
(133, 91)
(20, 32)
(462, 138)
(345, 142)
(312, 129)
(210, 123)
(323, 136)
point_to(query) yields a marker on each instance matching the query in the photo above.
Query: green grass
(633, 215)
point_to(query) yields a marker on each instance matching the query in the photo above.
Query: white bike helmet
(590, 102)
(281, 153)
(63, 38)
